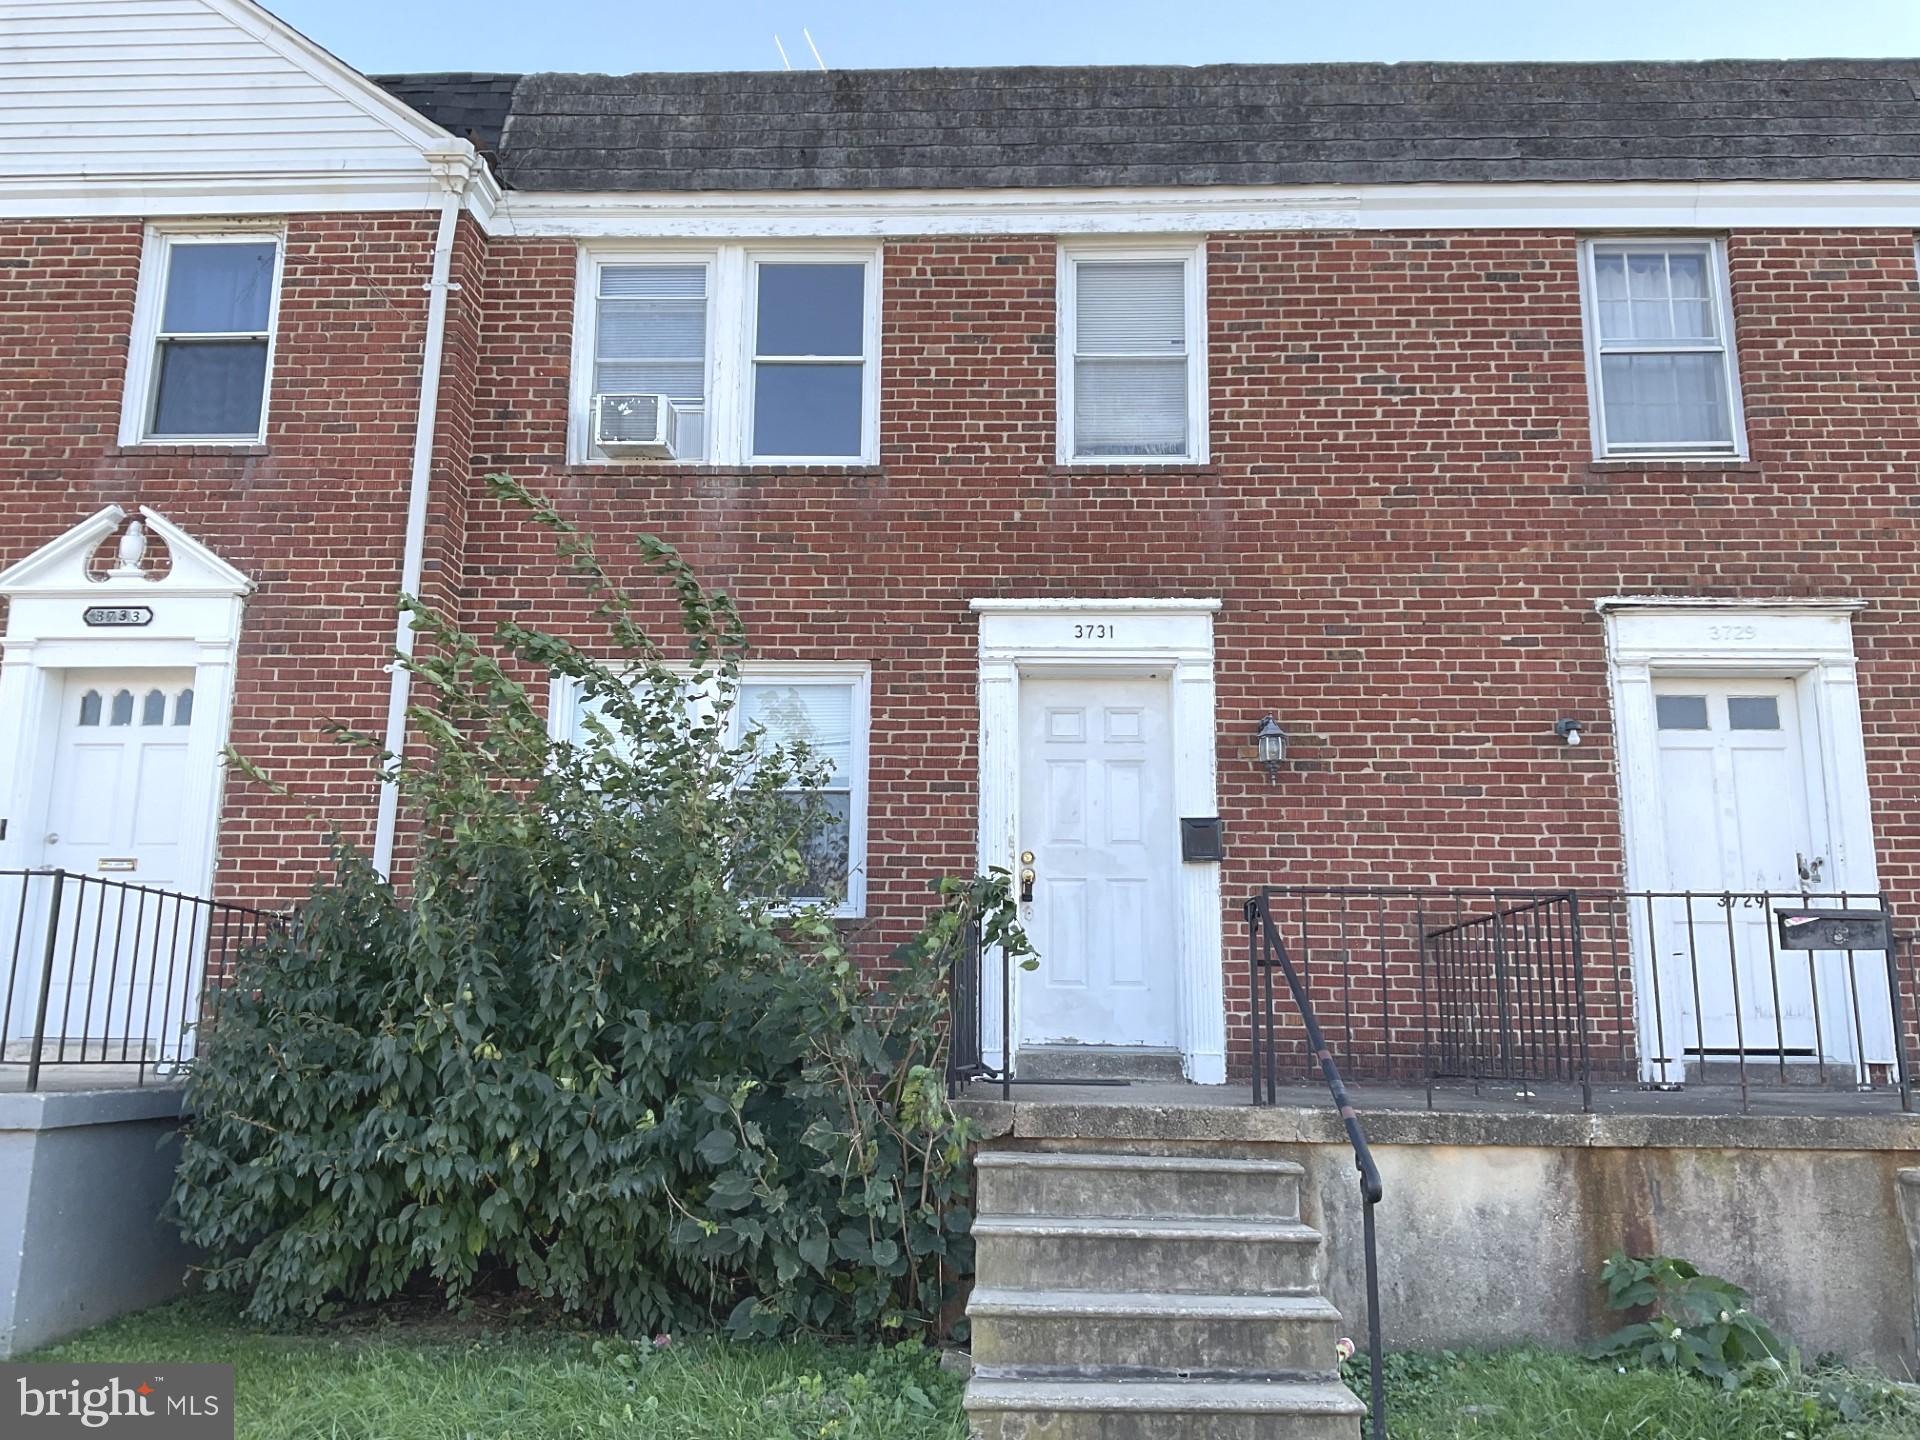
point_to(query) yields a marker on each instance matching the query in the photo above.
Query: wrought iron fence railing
(108, 973)
(1578, 988)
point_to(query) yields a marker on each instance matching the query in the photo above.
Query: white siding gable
(106, 98)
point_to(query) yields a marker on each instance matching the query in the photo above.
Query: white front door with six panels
(1096, 812)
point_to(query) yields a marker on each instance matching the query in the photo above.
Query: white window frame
(563, 718)
(1194, 257)
(732, 315)
(143, 369)
(1718, 276)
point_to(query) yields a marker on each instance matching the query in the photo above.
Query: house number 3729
(1732, 632)
(1100, 631)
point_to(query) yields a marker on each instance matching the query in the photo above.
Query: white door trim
(1111, 637)
(1807, 641)
(195, 606)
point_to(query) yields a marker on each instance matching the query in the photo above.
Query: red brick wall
(314, 515)
(1401, 515)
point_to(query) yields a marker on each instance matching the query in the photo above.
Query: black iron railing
(1266, 953)
(106, 973)
(1578, 988)
(966, 1025)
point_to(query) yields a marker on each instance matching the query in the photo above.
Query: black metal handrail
(1266, 952)
(111, 972)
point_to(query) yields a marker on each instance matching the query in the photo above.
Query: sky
(618, 36)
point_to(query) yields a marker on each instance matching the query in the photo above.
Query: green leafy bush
(1698, 1323)
(587, 1053)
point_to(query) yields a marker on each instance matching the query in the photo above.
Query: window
(1133, 381)
(651, 339)
(203, 337)
(772, 355)
(827, 710)
(824, 706)
(1659, 346)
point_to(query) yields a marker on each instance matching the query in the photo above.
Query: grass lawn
(434, 1378)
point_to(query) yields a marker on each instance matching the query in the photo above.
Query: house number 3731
(1093, 631)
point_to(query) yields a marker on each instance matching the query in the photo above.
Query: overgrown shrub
(1697, 1323)
(587, 1053)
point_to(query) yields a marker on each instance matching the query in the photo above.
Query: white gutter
(454, 167)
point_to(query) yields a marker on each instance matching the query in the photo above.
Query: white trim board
(1650, 206)
(1065, 637)
(1807, 641)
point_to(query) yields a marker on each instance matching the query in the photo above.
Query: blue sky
(625, 35)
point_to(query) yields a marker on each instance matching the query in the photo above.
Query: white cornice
(1134, 210)
(1045, 604)
(134, 193)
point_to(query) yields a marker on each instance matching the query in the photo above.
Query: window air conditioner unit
(636, 425)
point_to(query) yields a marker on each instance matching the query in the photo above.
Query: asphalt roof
(1158, 125)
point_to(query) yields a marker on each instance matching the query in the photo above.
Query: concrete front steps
(1146, 1297)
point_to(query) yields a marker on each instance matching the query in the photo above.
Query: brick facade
(1400, 515)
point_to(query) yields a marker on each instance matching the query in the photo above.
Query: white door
(1742, 815)
(1096, 811)
(125, 970)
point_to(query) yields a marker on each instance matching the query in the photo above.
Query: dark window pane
(90, 708)
(1753, 712)
(153, 709)
(806, 410)
(183, 708)
(810, 310)
(218, 287)
(1681, 712)
(210, 387)
(823, 824)
(122, 713)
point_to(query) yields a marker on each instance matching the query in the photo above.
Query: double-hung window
(826, 710)
(1133, 381)
(767, 355)
(1660, 354)
(824, 707)
(650, 338)
(204, 323)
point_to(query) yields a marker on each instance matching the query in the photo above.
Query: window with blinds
(819, 715)
(650, 338)
(1131, 343)
(203, 347)
(1659, 333)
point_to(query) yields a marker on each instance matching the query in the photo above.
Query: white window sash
(732, 330)
(142, 390)
(1720, 307)
(1194, 350)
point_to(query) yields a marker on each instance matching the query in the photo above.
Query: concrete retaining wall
(1494, 1227)
(83, 1177)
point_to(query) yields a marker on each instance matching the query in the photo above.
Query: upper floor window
(202, 351)
(730, 355)
(1660, 354)
(1133, 381)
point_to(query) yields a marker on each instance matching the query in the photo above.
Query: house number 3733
(1101, 630)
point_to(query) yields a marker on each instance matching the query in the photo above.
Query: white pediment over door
(190, 591)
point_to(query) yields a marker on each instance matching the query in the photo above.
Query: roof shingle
(1165, 125)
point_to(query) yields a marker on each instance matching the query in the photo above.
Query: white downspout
(454, 169)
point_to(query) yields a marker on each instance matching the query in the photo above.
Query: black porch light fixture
(1270, 745)
(1569, 730)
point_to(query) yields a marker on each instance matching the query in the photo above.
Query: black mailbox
(1201, 838)
(1835, 930)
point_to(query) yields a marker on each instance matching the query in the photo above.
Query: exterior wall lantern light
(1270, 744)
(1568, 730)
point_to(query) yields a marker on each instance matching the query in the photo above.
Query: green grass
(411, 1376)
(1544, 1395)
(445, 1380)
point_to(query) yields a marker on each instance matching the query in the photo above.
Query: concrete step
(1265, 1334)
(1034, 1182)
(1097, 1062)
(1176, 1257)
(1161, 1410)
